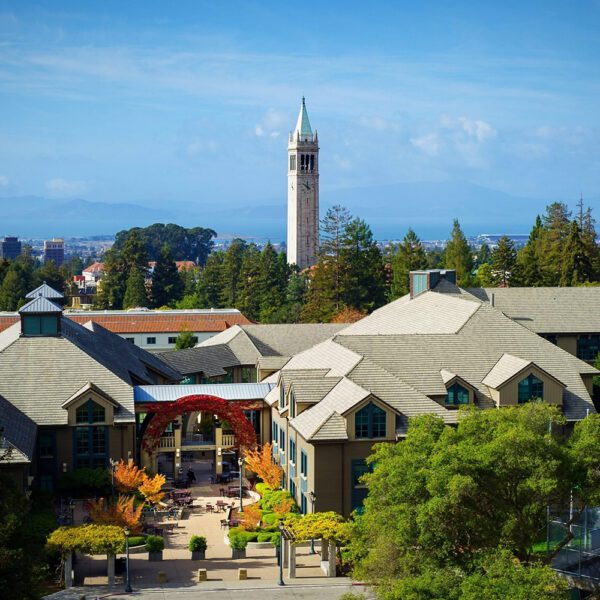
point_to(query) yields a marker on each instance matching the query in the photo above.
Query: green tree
(248, 288)
(185, 340)
(231, 272)
(504, 260)
(458, 256)
(271, 284)
(528, 258)
(111, 289)
(484, 255)
(167, 285)
(576, 262)
(50, 274)
(15, 286)
(409, 256)
(446, 496)
(210, 282)
(135, 291)
(485, 276)
(320, 302)
(362, 285)
(555, 231)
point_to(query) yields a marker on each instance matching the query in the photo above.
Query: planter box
(155, 556)
(259, 546)
(198, 554)
(238, 553)
(137, 549)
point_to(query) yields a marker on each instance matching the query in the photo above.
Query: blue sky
(168, 103)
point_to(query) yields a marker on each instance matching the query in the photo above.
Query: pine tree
(576, 267)
(167, 285)
(271, 284)
(485, 276)
(320, 302)
(409, 256)
(504, 260)
(231, 271)
(111, 289)
(362, 285)
(332, 231)
(555, 231)
(588, 235)
(210, 282)
(484, 255)
(135, 292)
(14, 288)
(248, 288)
(458, 256)
(50, 274)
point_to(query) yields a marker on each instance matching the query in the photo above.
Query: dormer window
(457, 395)
(40, 325)
(370, 422)
(90, 412)
(530, 388)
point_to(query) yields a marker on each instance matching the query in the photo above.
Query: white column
(292, 561)
(332, 557)
(324, 550)
(110, 569)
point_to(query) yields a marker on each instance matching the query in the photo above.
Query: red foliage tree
(232, 412)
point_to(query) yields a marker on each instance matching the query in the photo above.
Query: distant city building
(93, 272)
(54, 250)
(303, 193)
(10, 248)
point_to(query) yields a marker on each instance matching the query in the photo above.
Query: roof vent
(423, 281)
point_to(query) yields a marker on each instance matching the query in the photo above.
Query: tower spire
(303, 129)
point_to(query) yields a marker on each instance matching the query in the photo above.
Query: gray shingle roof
(19, 432)
(45, 291)
(210, 360)
(547, 309)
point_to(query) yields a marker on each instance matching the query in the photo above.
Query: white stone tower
(303, 193)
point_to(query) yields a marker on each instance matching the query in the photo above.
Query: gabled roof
(40, 305)
(313, 389)
(508, 367)
(88, 387)
(334, 428)
(45, 291)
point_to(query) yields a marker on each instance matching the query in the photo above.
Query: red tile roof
(97, 266)
(152, 322)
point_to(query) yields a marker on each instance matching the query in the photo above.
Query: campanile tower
(303, 193)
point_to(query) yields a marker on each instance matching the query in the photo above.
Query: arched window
(370, 422)
(457, 395)
(90, 412)
(529, 388)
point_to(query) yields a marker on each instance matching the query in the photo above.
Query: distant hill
(428, 207)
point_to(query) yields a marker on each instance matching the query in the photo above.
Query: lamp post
(127, 584)
(313, 498)
(241, 464)
(113, 464)
(281, 555)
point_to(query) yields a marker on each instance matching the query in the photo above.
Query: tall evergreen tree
(14, 287)
(134, 252)
(333, 227)
(458, 256)
(362, 285)
(210, 282)
(504, 260)
(135, 291)
(576, 265)
(528, 258)
(555, 231)
(248, 289)
(271, 284)
(409, 256)
(50, 274)
(167, 285)
(232, 267)
(320, 302)
(111, 288)
(484, 255)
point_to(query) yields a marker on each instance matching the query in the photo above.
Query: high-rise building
(54, 250)
(303, 193)
(10, 248)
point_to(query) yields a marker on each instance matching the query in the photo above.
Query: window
(529, 388)
(188, 380)
(358, 491)
(46, 445)
(588, 347)
(552, 338)
(303, 464)
(150, 341)
(457, 394)
(46, 483)
(254, 417)
(281, 440)
(292, 451)
(91, 447)
(275, 432)
(282, 396)
(90, 412)
(293, 489)
(40, 325)
(370, 422)
(303, 504)
(248, 375)
(293, 162)
(172, 340)
(130, 340)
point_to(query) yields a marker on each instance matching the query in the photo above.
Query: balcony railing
(167, 442)
(197, 439)
(228, 440)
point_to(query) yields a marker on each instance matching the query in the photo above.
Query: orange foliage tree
(128, 477)
(121, 513)
(348, 315)
(250, 518)
(150, 488)
(261, 462)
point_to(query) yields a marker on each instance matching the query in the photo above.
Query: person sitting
(191, 476)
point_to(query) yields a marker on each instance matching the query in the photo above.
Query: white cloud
(64, 188)
(4, 181)
(429, 143)
(271, 124)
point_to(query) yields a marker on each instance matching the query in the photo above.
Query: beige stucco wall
(390, 419)
(567, 343)
(507, 395)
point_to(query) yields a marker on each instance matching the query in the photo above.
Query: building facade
(10, 248)
(54, 250)
(303, 193)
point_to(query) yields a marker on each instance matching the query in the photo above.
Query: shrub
(274, 498)
(137, 540)
(38, 525)
(264, 537)
(270, 518)
(197, 543)
(238, 538)
(83, 483)
(155, 543)
(276, 539)
(262, 488)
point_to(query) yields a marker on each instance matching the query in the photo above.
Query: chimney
(423, 281)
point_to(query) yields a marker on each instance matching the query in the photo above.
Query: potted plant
(155, 545)
(197, 547)
(238, 542)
